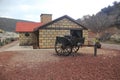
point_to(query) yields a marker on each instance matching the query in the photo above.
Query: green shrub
(1, 43)
(115, 38)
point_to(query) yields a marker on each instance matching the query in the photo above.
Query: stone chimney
(45, 18)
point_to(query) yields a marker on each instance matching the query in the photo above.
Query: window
(27, 34)
(76, 33)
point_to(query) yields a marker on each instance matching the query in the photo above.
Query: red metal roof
(27, 26)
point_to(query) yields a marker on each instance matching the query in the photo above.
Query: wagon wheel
(61, 49)
(75, 49)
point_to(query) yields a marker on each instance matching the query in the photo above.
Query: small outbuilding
(43, 34)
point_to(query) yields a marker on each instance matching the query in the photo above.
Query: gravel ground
(44, 64)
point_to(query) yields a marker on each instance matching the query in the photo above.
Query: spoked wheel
(61, 49)
(75, 49)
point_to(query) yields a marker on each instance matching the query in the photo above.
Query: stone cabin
(43, 34)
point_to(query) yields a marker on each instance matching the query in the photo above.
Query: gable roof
(26, 26)
(65, 16)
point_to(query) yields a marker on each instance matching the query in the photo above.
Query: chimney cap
(46, 14)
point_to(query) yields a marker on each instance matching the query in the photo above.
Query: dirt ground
(44, 64)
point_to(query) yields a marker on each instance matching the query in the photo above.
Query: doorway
(76, 33)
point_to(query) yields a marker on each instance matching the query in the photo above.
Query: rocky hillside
(8, 24)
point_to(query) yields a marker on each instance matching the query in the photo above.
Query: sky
(32, 9)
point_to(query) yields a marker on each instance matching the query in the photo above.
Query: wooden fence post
(95, 49)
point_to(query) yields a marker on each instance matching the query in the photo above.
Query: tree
(97, 23)
(107, 17)
(117, 23)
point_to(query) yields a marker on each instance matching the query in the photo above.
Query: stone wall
(47, 37)
(27, 40)
(64, 23)
(85, 34)
(62, 27)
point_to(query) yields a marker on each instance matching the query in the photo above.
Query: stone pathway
(14, 46)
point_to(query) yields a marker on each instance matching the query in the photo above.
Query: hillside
(106, 18)
(113, 11)
(8, 24)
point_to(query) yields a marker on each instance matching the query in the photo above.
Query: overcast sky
(31, 9)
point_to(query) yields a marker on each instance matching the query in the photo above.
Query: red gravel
(78, 67)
